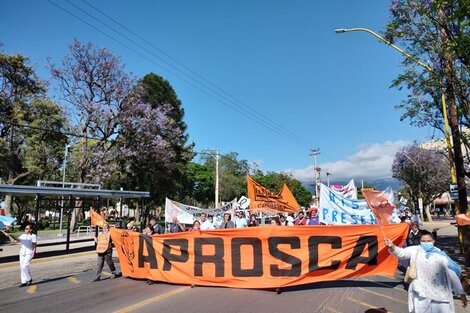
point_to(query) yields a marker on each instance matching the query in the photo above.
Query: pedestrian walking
(104, 248)
(28, 242)
(435, 276)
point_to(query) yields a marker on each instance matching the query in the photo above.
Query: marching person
(436, 276)
(300, 220)
(157, 228)
(176, 226)
(240, 221)
(28, 242)
(227, 223)
(104, 248)
(205, 223)
(253, 221)
(313, 218)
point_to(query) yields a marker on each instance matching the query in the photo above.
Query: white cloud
(367, 162)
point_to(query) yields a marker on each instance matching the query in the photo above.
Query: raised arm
(10, 237)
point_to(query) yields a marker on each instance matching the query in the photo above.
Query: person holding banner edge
(437, 276)
(104, 249)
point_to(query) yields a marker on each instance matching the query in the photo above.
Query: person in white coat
(28, 242)
(436, 277)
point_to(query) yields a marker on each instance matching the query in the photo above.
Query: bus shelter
(66, 198)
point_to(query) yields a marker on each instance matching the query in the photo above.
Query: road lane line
(367, 305)
(152, 300)
(330, 309)
(32, 289)
(382, 295)
(73, 279)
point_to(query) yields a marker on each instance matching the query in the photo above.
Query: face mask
(427, 246)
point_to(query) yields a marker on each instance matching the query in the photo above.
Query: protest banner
(348, 191)
(259, 257)
(187, 214)
(335, 209)
(263, 200)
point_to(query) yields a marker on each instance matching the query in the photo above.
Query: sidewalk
(47, 247)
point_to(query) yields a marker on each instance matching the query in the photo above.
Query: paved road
(63, 284)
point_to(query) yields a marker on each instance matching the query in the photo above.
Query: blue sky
(313, 88)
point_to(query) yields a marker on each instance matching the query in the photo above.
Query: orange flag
(263, 200)
(380, 205)
(96, 219)
(462, 219)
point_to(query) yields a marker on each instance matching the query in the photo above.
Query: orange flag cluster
(263, 200)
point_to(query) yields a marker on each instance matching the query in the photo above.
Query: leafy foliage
(274, 181)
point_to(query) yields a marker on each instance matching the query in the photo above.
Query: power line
(191, 71)
(259, 118)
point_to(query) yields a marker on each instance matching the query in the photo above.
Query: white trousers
(25, 261)
(424, 305)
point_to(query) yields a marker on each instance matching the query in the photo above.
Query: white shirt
(27, 241)
(207, 225)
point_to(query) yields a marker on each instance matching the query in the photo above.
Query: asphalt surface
(63, 284)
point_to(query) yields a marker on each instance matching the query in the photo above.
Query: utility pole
(328, 179)
(316, 172)
(215, 154)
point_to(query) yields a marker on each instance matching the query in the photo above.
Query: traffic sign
(454, 192)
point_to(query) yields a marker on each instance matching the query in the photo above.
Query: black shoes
(23, 285)
(116, 275)
(96, 279)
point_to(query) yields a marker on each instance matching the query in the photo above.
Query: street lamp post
(63, 185)
(441, 90)
(314, 153)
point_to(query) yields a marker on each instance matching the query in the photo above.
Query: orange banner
(263, 200)
(259, 257)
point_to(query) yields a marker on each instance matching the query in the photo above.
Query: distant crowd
(207, 222)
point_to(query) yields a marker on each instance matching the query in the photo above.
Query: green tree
(232, 174)
(274, 181)
(31, 126)
(198, 185)
(436, 32)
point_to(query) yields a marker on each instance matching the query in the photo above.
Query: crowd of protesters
(207, 222)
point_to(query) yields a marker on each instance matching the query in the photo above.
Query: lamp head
(340, 30)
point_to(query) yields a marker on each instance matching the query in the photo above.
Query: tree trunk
(428, 213)
(7, 204)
